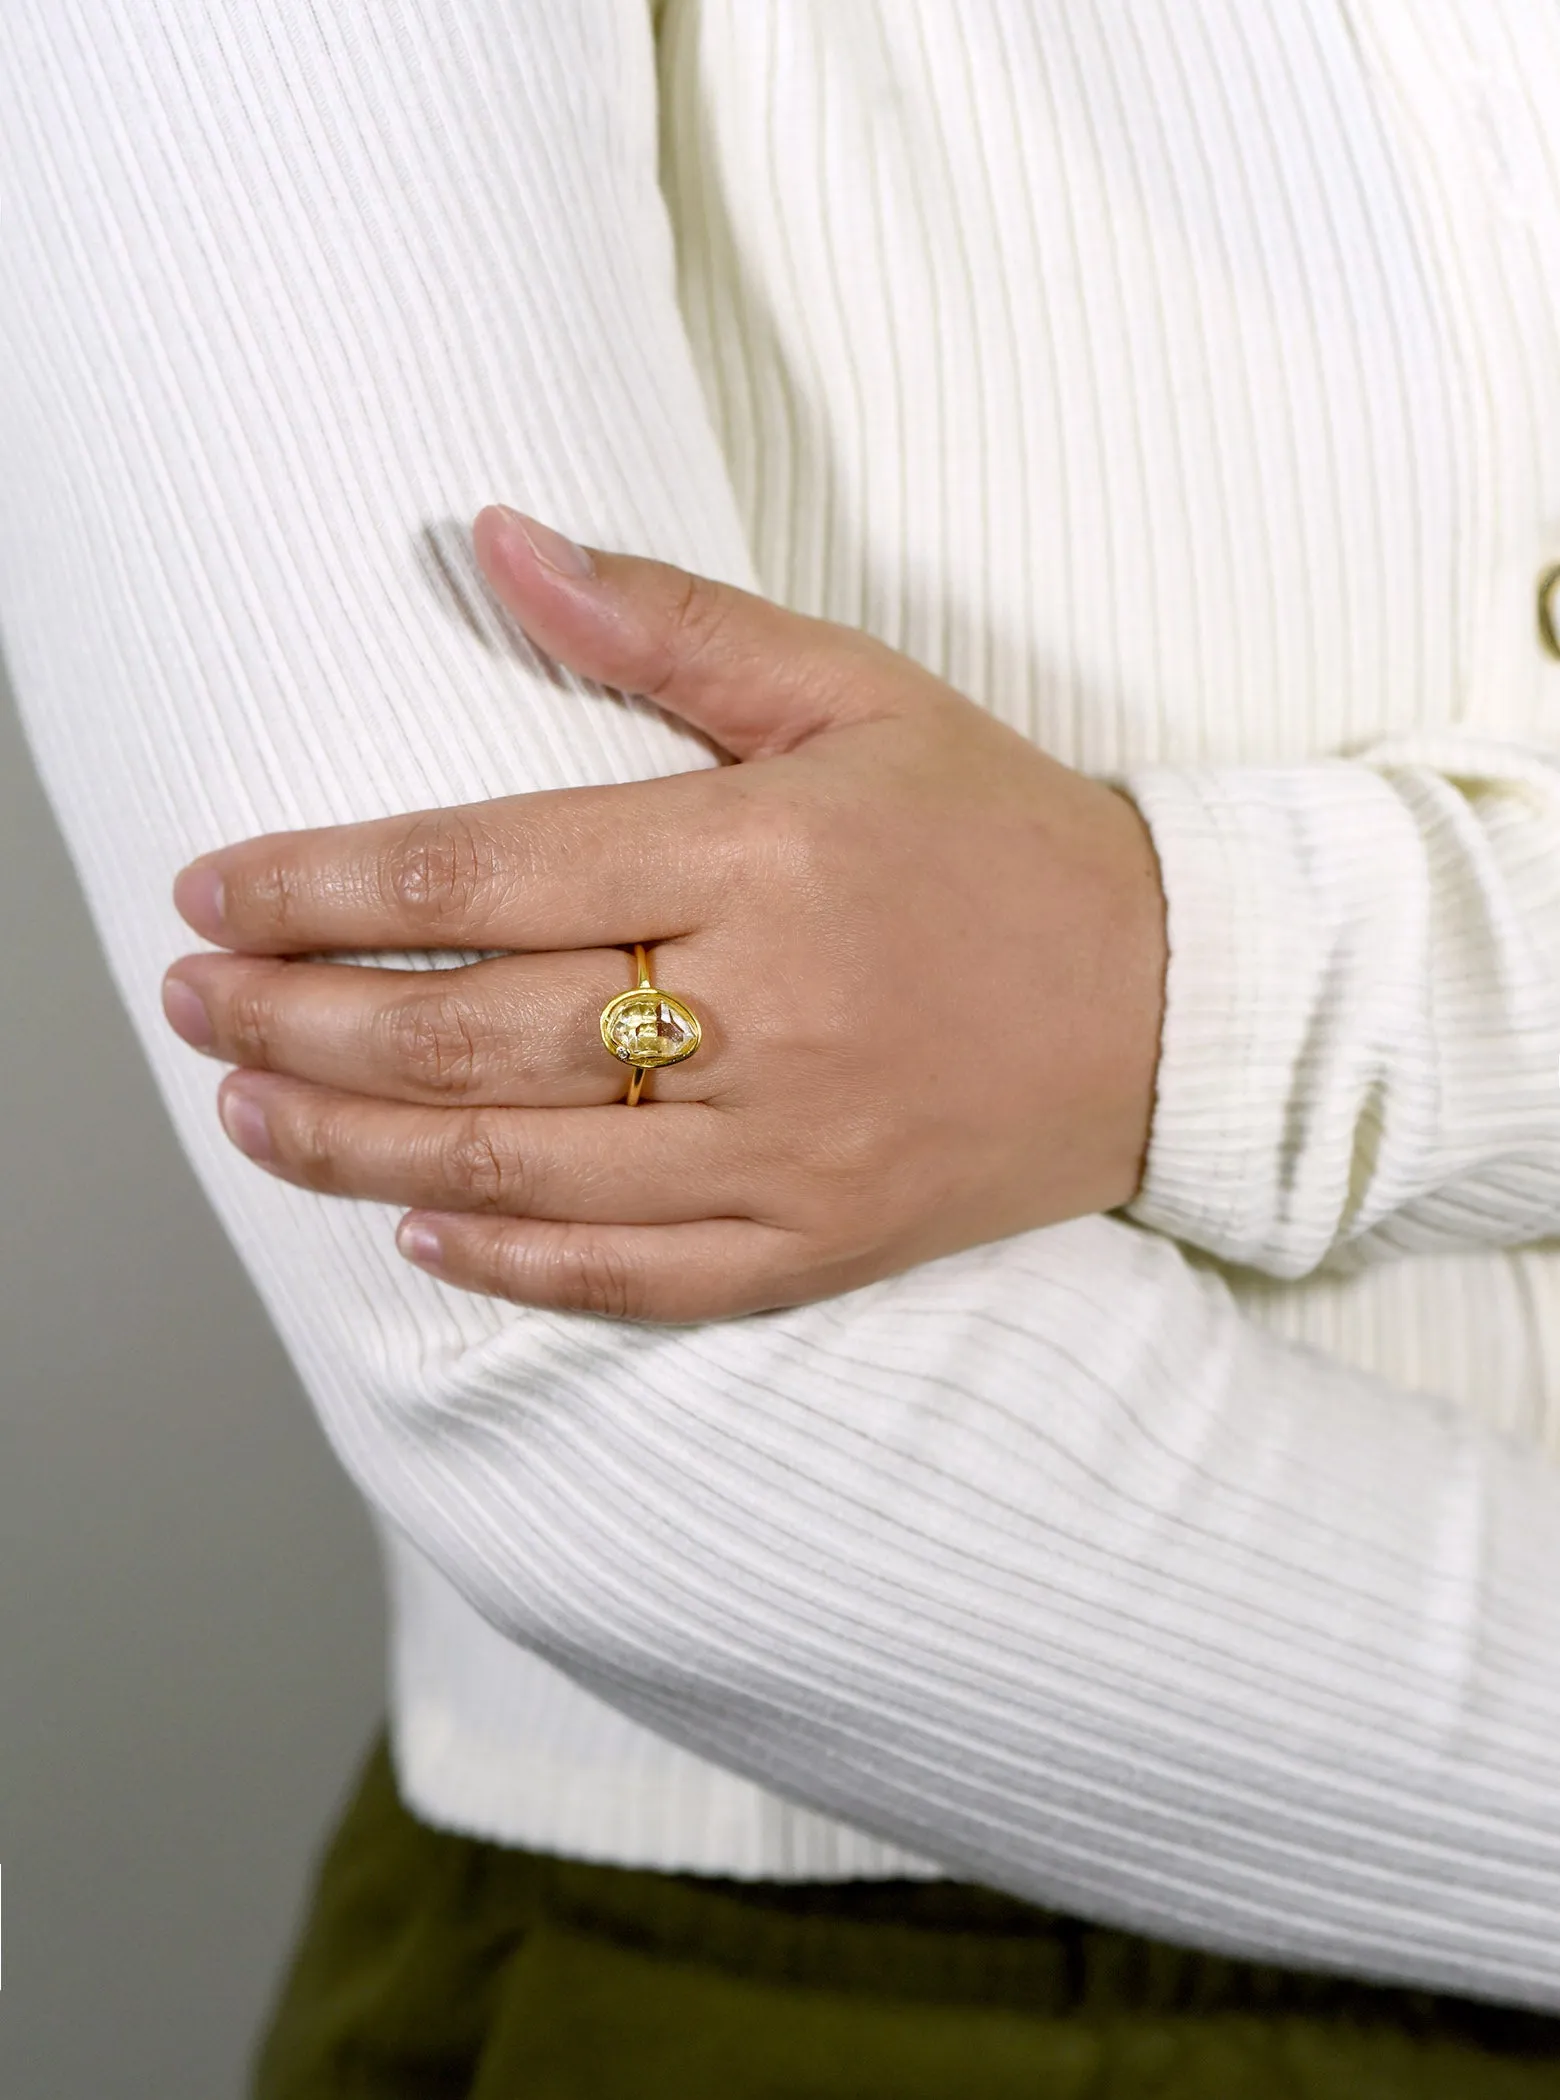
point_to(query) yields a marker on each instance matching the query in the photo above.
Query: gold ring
(647, 1028)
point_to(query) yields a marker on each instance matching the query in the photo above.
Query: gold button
(1549, 609)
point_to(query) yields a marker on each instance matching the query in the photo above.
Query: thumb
(753, 676)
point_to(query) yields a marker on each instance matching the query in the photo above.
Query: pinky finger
(670, 1274)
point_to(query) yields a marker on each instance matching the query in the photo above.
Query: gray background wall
(190, 1620)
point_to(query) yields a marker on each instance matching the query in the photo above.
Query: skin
(929, 962)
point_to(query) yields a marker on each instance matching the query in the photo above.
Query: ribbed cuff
(1235, 994)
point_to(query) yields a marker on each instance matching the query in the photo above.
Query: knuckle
(266, 899)
(854, 1174)
(603, 1280)
(438, 872)
(487, 1175)
(311, 1143)
(808, 856)
(433, 1039)
(249, 1024)
(695, 622)
(781, 843)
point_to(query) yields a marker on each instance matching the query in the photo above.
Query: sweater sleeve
(1042, 1560)
(1361, 1045)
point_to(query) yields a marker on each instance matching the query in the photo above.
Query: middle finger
(517, 1030)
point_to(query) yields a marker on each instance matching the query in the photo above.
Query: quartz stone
(649, 1028)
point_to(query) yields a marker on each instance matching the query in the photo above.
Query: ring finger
(516, 1030)
(590, 1165)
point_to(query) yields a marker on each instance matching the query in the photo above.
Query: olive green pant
(440, 1968)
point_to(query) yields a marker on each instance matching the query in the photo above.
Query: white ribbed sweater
(1182, 380)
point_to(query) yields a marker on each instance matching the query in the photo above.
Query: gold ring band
(647, 1028)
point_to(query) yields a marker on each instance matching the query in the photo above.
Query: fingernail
(187, 1015)
(551, 549)
(418, 1242)
(244, 1121)
(197, 897)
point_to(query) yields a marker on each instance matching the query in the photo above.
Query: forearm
(1043, 1561)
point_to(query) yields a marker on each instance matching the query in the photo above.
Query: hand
(928, 960)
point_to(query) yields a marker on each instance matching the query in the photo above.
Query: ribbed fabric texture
(1183, 382)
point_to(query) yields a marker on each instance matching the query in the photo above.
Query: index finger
(561, 868)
